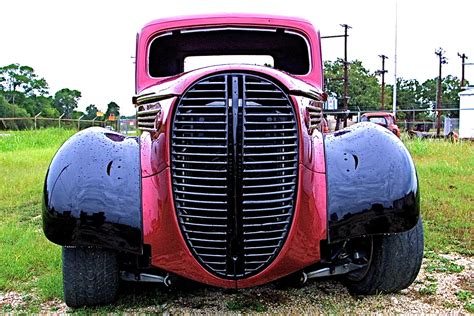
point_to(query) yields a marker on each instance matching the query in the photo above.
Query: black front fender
(92, 192)
(372, 183)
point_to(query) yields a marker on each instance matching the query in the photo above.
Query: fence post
(79, 122)
(59, 120)
(36, 116)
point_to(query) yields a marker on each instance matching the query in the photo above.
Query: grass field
(31, 264)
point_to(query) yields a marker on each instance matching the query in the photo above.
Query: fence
(20, 123)
(408, 119)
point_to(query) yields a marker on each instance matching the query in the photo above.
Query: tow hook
(335, 270)
(145, 277)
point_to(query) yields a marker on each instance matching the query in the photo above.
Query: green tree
(364, 88)
(17, 80)
(65, 101)
(91, 112)
(12, 110)
(451, 86)
(410, 96)
(112, 108)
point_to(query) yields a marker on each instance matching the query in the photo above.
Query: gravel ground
(444, 285)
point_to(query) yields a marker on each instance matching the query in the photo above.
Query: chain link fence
(421, 120)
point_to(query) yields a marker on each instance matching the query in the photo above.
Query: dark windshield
(289, 50)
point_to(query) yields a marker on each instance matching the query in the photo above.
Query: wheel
(90, 276)
(394, 263)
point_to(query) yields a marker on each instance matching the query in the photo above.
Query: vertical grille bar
(234, 149)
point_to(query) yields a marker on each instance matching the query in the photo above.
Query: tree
(65, 101)
(16, 80)
(409, 96)
(451, 86)
(91, 112)
(364, 88)
(12, 110)
(112, 108)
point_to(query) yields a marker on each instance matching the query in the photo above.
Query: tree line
(365, 90)
(24, 94)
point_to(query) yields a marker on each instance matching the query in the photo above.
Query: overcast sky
(88, 45)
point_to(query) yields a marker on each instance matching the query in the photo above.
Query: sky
(89, 45)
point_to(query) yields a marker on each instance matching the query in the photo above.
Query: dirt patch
(444, 285)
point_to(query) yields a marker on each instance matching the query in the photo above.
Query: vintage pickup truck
(231, 182)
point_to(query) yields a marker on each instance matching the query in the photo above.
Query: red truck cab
(384, 119)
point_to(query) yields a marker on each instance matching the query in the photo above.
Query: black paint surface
(372, 183)
(92, 192)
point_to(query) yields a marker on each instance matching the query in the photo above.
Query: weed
(444, 265)
(469, 307)
(450, 305)
(431, 278)
(6, 308)
(464, 296)
(244, 303)
(429, 289)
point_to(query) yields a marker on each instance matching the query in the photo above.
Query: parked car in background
(384, 119)
(232, 182)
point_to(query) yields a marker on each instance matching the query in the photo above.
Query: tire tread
(90, 276)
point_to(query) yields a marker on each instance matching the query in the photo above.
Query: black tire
(395, 263)
(90, 276)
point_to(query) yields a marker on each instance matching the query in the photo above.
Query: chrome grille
(146, 118)
(234, 152)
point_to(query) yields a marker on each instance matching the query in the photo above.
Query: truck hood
(177, 85)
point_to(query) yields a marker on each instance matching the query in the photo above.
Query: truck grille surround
(234, 155)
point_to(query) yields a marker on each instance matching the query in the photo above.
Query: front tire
(395, 263)
(90, 276)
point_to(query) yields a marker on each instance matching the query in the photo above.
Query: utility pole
(394, 97)
(382, 72)
(442, 60)
(463, 58)
(346, 73)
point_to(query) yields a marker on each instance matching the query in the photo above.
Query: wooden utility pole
(442, 60)
(382, 72)
(345, 77)
(346, 73)
(463, 58)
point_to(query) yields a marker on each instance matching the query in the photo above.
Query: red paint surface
(143, 80)
(160, 223)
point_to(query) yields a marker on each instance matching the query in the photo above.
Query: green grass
(31, 264)
(27, 260)
(446, 176)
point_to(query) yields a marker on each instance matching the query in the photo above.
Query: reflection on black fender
(372, 183)
(92, 192)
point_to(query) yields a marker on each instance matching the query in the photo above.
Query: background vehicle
(231, 182)
(384, 119)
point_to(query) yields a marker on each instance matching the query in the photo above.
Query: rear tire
(90, 276)
(395, 263)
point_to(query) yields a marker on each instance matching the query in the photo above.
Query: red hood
(176, 85)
